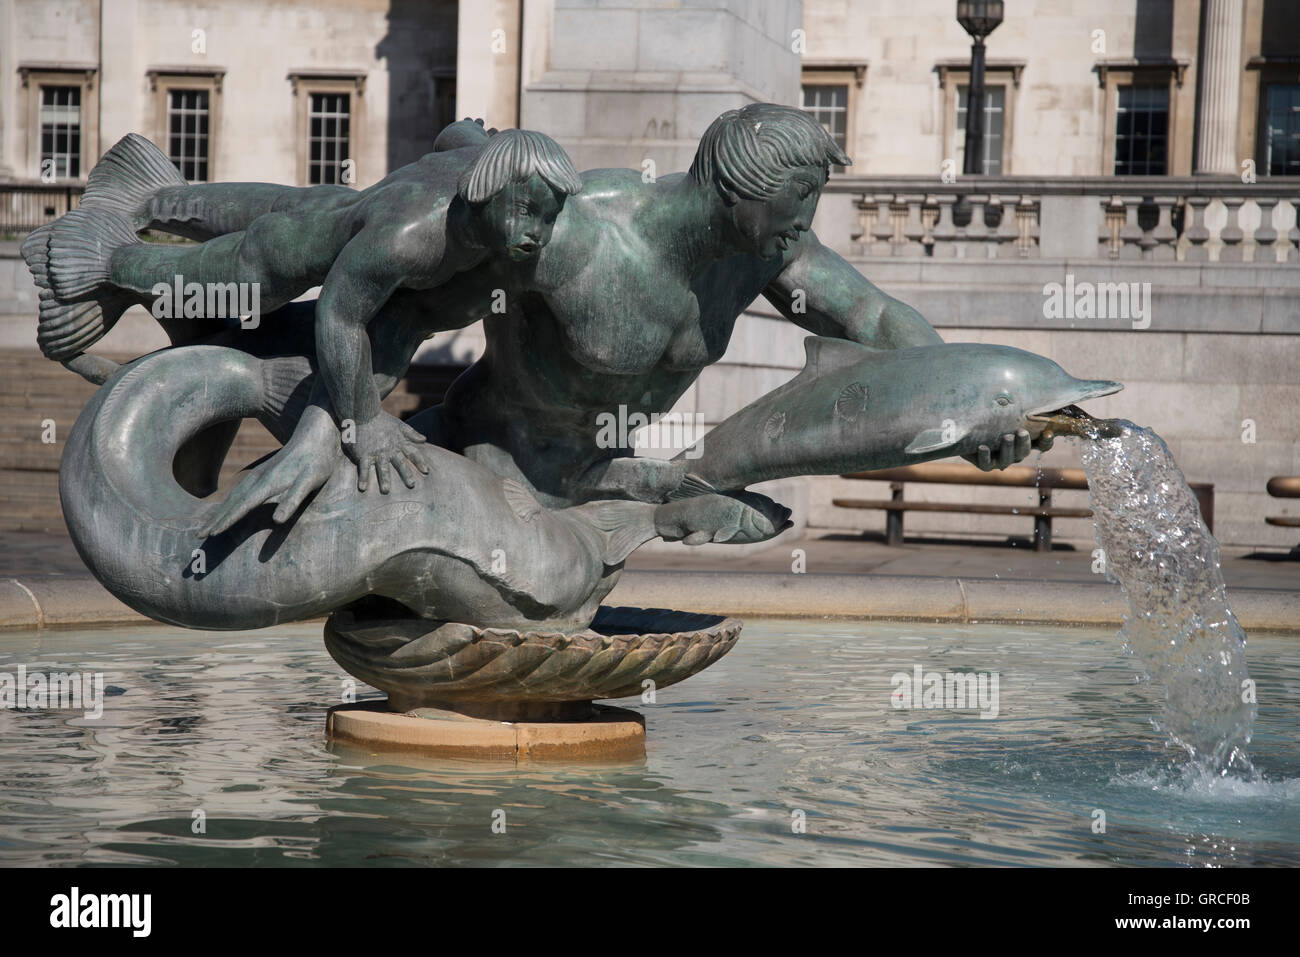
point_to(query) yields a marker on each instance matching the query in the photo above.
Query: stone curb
(62, 601)
(920, 598)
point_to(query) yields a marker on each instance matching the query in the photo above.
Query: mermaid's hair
(512, 156)
(746, 152)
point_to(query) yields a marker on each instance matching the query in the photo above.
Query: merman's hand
(1014, 447)
(383, 442)
(287, 478)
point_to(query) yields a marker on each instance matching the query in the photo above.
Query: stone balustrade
(26, 205)
(1158, 219)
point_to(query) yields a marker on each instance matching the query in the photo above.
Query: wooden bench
(1284, 486)
(1016, 476)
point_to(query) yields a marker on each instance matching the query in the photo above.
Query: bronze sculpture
(597, 292)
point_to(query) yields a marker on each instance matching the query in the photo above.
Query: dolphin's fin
(931, 440)
(520, 500)
(824, 354)
(691, 486)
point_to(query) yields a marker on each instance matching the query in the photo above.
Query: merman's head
(768, 164)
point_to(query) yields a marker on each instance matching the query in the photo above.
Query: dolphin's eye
(1002, 399)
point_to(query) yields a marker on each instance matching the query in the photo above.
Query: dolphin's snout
(1096, 388)
(1062, 416)
(1072, 420)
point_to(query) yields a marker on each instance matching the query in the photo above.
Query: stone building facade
(284, 91)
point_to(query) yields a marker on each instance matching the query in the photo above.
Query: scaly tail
(69, 260)
(127, 176)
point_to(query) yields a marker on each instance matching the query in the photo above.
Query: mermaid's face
(519, 219)
(766, 227)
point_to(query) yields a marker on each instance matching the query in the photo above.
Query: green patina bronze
(601, 293)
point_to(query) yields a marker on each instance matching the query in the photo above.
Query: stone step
(29, 501)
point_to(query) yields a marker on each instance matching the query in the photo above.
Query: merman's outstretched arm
(821, 292)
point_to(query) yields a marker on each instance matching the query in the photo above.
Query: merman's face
(519, 219)
(767, 227)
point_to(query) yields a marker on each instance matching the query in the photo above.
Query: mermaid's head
(515, 189)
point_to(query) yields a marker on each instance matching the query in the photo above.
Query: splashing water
(1179, 626)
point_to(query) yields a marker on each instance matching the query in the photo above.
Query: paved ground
(33, 553)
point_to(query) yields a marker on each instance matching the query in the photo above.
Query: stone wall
(630, 80)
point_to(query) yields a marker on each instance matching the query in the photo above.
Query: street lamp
(979, 18)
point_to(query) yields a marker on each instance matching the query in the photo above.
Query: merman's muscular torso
(609, 316)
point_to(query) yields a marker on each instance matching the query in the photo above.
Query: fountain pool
(789, 751)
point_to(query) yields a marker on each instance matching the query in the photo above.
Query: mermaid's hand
(382, 442)
(304, 465)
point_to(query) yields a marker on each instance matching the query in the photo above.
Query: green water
(795, 729)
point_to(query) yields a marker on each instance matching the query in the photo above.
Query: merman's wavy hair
(512, 156)
(746, 152)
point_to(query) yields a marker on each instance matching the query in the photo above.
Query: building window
(330, 127)
(1282, 136)
(995, 110)
(329, 138)
(1001, 84)
(188, 118)
(829, 105)
(1142, 131)
(58, 126)
(60, 123)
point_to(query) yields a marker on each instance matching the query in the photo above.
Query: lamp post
(979, 18)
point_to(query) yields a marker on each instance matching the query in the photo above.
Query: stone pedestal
(457, 690)
(604, 734)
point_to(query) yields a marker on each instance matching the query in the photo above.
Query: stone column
(9, 161)
(1220, 83)
(487, 62)
(122, 107)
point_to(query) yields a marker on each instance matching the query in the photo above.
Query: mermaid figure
(414, 230)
